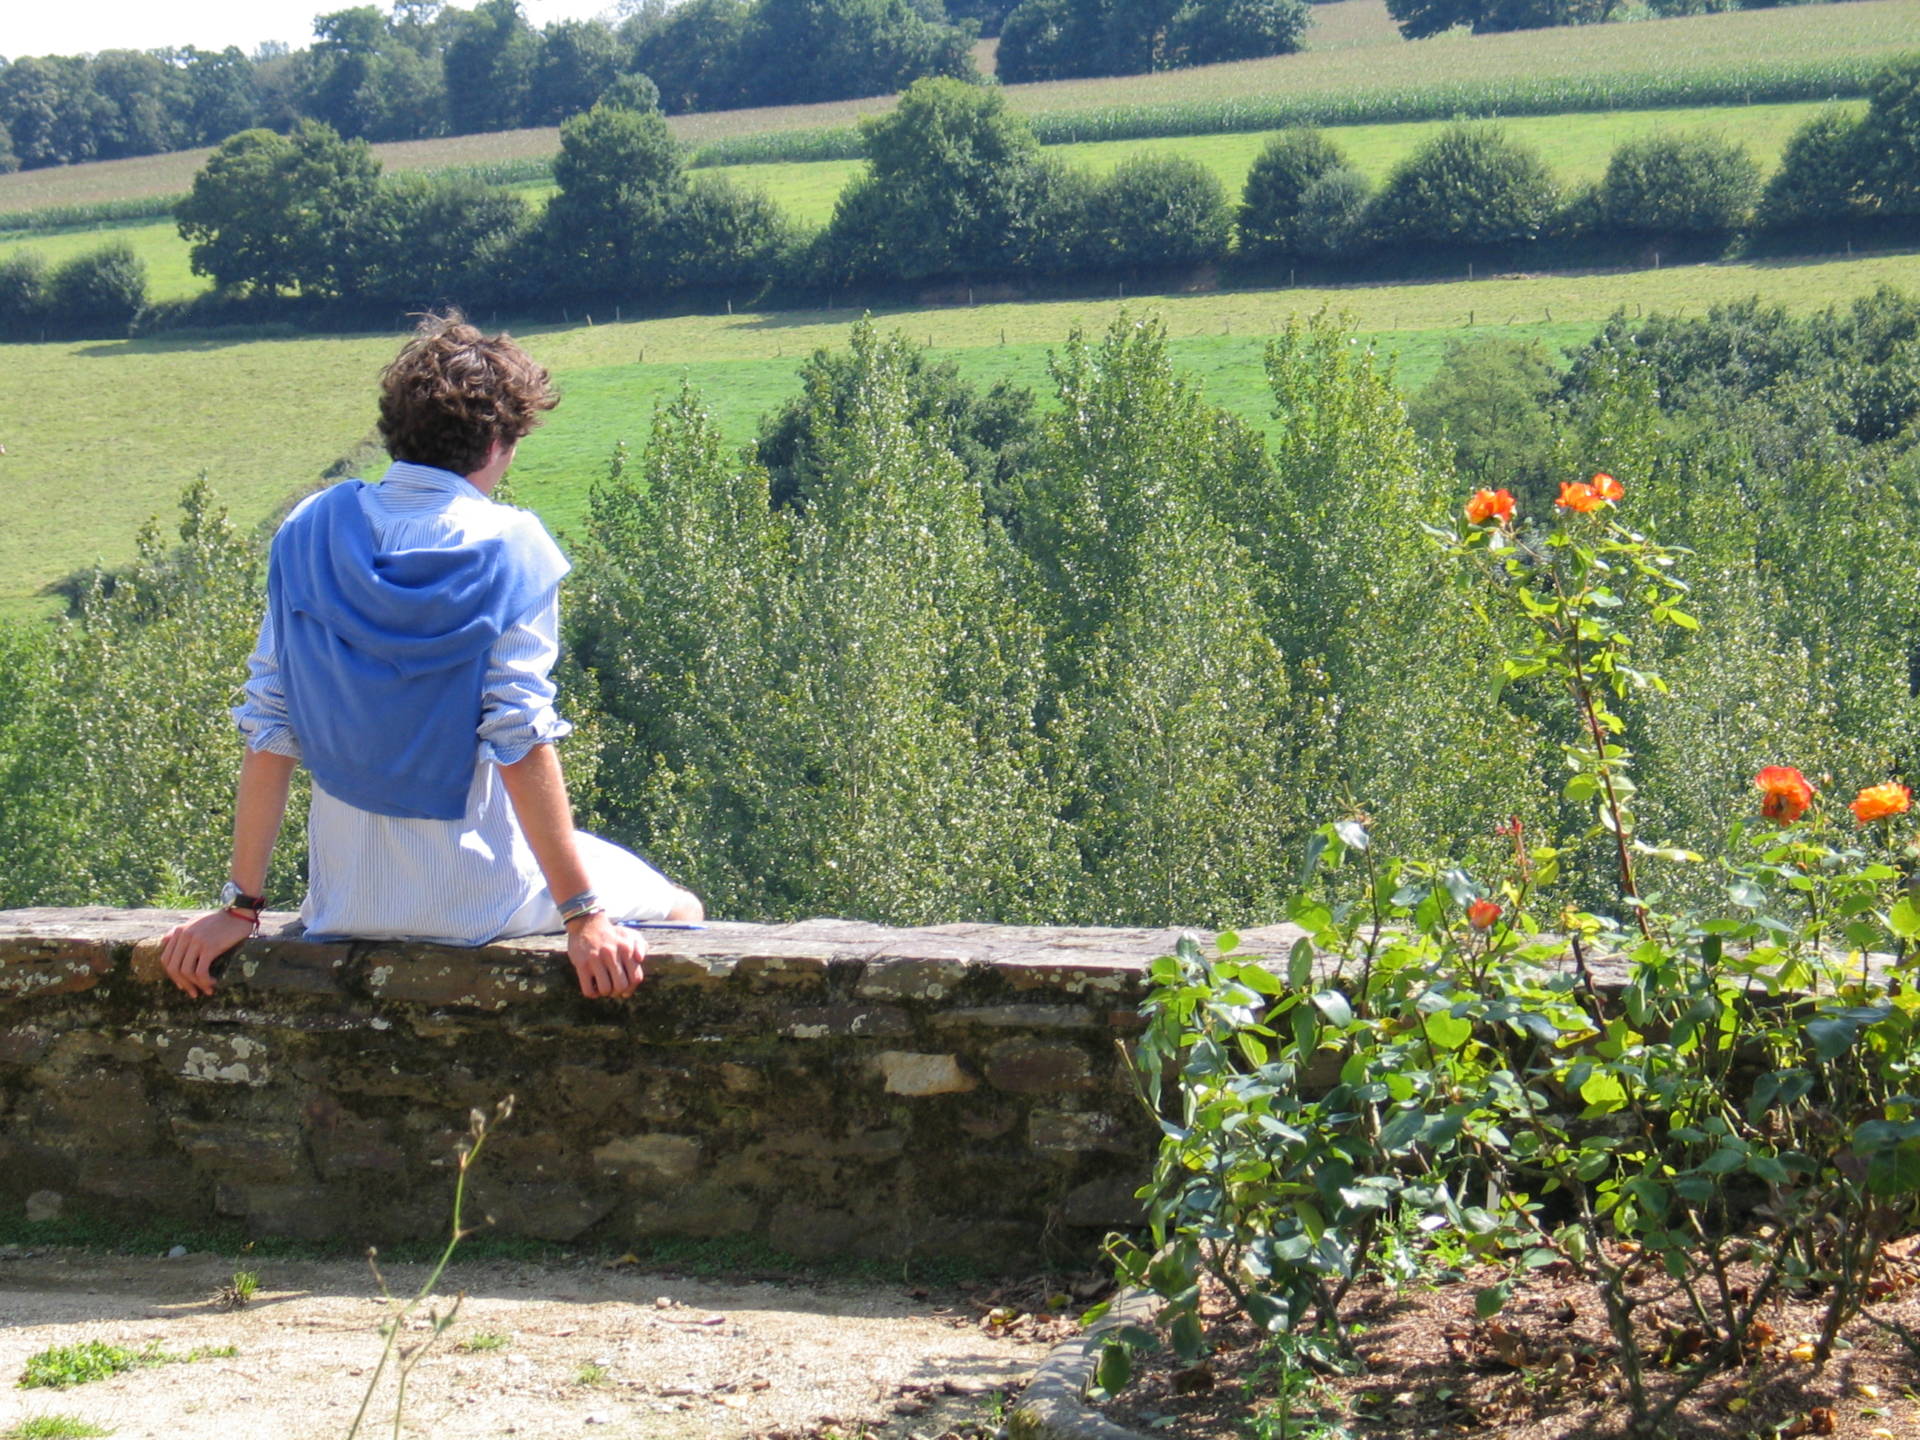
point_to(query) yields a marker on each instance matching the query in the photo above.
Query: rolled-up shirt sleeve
(516, 703)
(262, 711)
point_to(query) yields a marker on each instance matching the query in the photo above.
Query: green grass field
(101, 435)
(1576, 146)
(1353, 49)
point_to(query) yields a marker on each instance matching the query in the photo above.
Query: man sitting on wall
(404, 657)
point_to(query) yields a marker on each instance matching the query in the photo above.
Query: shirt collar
(403, 476)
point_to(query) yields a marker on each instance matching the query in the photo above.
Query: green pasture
(102, 435)
(158, 242)
(1576, 147)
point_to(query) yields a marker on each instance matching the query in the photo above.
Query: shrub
(1333, 214)
(422, 239)
(23, 286)
(105, 286)
(631, 92)
(948, 174)
(1280, 175)
(1158, 210)
(1819, 174)
(1487, 406)
(723, 235)
(1041, 40)
(1207, 32)
(1469, 185)
(1890, 138)
(1679, 184)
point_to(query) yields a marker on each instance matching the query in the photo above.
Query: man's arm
(606, 958)
(188, 951)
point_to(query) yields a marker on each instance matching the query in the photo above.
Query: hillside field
(1575, 146)
(1353, 50)
(102, 435)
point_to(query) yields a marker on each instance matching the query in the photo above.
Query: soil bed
(1542, 1369)
(535, 1351)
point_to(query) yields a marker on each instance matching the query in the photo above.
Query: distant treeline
(928, 653)
(429, 69)
(956, 192)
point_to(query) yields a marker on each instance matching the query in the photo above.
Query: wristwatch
(232, 898)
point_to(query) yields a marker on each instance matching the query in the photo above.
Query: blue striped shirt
(463, 881)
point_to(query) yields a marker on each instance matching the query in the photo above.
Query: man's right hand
(607, 957)
(187, 952)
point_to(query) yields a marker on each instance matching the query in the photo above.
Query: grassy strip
(60, 1366)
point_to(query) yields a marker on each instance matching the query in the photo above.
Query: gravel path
(535, 1351)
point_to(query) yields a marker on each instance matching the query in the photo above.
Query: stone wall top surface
(59, 951)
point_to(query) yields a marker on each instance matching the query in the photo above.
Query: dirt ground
(1545, 1368)
(589, 1350)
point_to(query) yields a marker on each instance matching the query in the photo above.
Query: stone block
(1108, 977)
(295, 1212)
(906, 1072)
(1107, 1203)
(558, 1212)
(1019, 1017)
(344, 1144)
(739, 1079)
(697, 971)
(223, 1059)
(102, 1109)
(911, 978)
(989, 1122)
(1038, 1067)
(822, 1022)
(491, 978)
(32, 967)
(261, 1153)
(25, 1044)
(1072, 1132)
(591, 1091)
(696, 1212)
(816, 1231)
(784, 967)
(270, 965)
(158, 1184)
(652, 1156)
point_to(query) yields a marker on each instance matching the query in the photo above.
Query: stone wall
(832, 1087)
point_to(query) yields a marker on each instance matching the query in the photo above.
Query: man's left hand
(187, 952)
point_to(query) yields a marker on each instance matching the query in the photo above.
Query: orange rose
(1482, 913)
(1608, 488)
(1579, 496)
(1489, 505)
(1877, 802)
(1784, 793)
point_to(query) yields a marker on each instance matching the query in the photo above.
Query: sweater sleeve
(516, 703)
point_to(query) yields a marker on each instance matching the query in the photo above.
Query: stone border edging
(1052, 1407)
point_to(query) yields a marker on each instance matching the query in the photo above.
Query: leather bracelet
(583, 914)
(252, 917)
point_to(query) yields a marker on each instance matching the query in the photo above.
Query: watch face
(229, 893)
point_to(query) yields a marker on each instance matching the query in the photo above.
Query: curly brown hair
(451, 392)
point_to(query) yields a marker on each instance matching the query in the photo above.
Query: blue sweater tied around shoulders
(384, 652)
